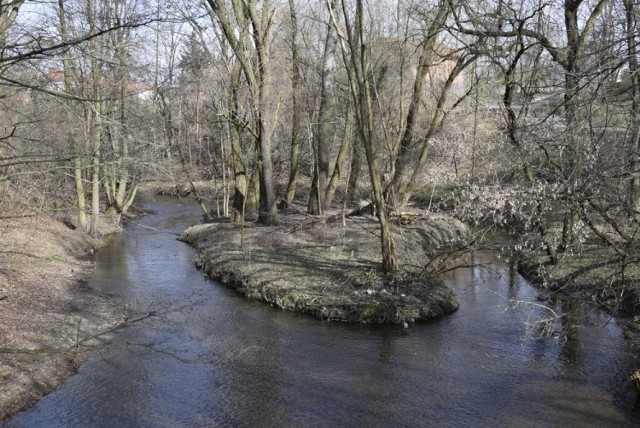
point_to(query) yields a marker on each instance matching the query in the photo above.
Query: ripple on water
(212, 358)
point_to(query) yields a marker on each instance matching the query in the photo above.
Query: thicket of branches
(522, 113)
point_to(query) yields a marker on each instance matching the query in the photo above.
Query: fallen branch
(39, 351)
(79, 346)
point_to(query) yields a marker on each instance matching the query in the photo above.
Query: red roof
(56, 76)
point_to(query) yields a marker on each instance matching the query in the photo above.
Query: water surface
(211, 358)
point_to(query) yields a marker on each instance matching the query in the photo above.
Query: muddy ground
(47, 309)
(329, 268)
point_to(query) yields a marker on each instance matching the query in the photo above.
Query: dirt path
(47, 309)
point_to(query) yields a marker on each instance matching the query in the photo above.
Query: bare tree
(356, 53)
(121, 176)
(67, 71)
(632, 29)
(296, 105)
(570, 57)
(247, 28)
(322, 134)
(8, 13)
(397, 190)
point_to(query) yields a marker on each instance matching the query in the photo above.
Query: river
(209, 357)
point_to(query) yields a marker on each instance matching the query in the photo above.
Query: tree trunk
(122, 181)
(73, 137)
(96, 125)
(241, 185)
(268, 214)
(240, 172)
(347, 139)
(404, 188)
(252, 201)
(356, 58)
(296, 93)
(573, 145)
(323, 135)
(634, 76)
(427, 57)
(513, 127)
(356, 166)
(250, 43)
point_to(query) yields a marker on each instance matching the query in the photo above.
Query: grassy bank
(328, 269)
(595, 275)
(47, 309)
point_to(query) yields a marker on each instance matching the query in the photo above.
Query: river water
(211, 358)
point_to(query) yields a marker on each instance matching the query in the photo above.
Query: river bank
(212, 357)
(47, 309)
(594, 276)
(329, 268)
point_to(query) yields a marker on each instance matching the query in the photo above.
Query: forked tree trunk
(356, 58)
(120, 184)
(249, 39)
(403, 159)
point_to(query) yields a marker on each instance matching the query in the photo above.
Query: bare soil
(49, 316)
(330, 269)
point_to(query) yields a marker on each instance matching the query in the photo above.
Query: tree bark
(241, 184)
(355, 168)
(356, 58)
(73, 137)
(631, 15)
(296, 93)
(96, 124)
(250, 43)
(428, 56)
(347, 140)
(323, 135)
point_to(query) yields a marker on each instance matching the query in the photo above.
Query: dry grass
(594, 274)
(45, 307)
(323, 267)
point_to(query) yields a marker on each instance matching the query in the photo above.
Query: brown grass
(45, 307)
(328, 269)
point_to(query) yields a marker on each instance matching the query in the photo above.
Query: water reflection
(213, 358)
